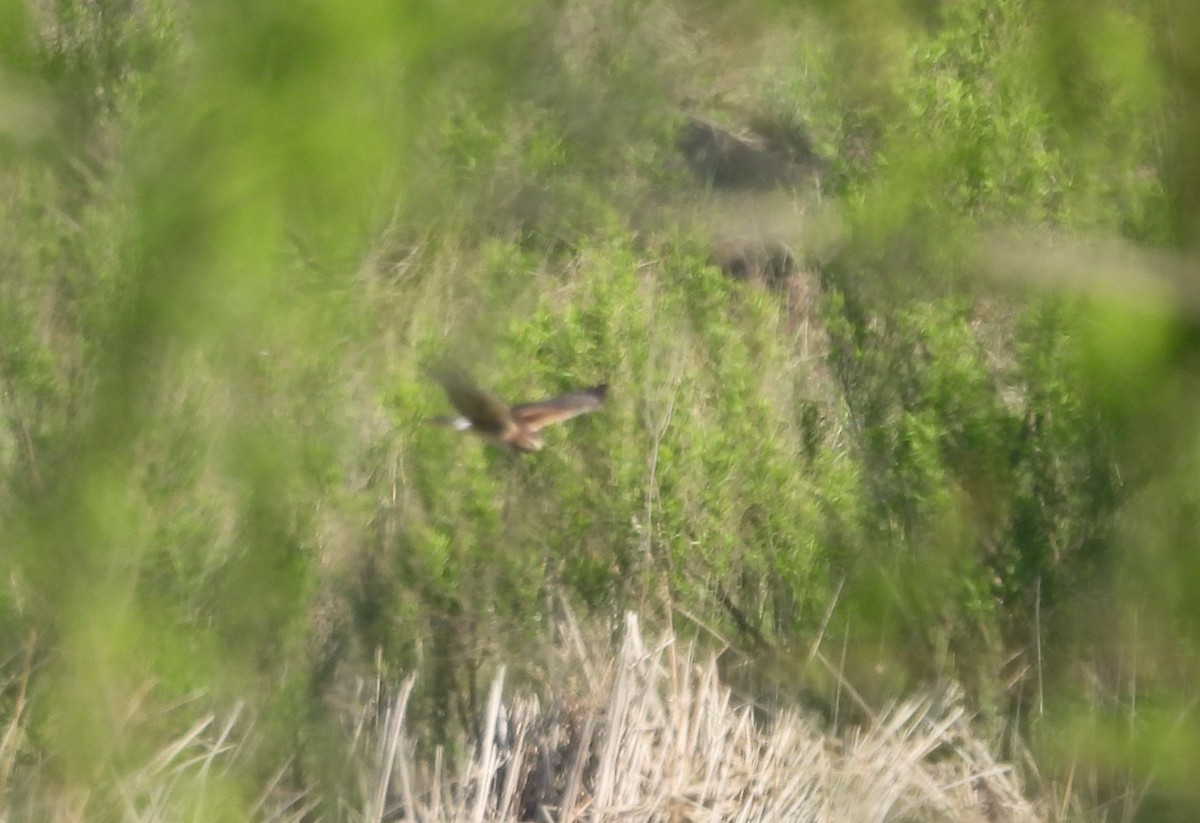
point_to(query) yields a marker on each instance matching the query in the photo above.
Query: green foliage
(234, 240)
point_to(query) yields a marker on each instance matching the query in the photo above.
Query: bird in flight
(517, 427)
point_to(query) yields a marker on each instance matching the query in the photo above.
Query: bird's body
(516, 427)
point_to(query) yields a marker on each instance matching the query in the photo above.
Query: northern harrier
(517, 426)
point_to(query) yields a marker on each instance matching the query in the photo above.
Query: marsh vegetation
(897, 305)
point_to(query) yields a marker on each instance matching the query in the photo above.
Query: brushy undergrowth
(659, 737)
(651, 734)
(897, 306)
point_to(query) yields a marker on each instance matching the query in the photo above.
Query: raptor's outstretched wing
(542, 413)
(485, 413)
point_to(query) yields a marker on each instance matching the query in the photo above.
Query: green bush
(234, 242)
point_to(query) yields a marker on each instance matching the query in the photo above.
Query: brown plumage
(516, 427)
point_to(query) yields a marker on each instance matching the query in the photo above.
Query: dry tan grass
(663, 740)
(658, 739)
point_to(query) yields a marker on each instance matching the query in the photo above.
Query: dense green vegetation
(901, 395)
